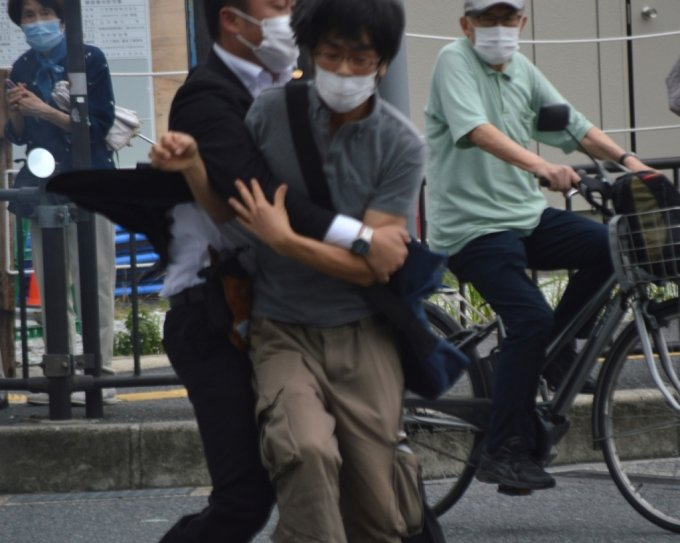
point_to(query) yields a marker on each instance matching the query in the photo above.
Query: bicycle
(632, 405)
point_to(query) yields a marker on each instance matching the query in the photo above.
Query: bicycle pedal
(513, 491)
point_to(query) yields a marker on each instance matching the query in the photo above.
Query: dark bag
(653, 227)
(431, 364)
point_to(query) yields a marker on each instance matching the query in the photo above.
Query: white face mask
(342, 94)
(496, 44)
(277, 51)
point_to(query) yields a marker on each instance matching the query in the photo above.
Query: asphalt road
(584, 507)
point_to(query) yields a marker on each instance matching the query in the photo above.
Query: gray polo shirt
(375, 163)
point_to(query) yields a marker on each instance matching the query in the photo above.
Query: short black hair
(15, 7)
(383, 20)
(212, 10)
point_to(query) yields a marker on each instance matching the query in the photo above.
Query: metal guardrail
(63, 370)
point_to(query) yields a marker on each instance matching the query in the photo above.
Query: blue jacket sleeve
(99, 94)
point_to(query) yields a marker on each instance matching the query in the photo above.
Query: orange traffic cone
(33, 298)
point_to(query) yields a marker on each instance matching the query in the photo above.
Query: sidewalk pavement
(147, 440)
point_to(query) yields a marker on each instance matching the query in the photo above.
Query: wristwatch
(362, 244)
(624, 156)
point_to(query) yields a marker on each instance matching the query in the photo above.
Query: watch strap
(624, 156)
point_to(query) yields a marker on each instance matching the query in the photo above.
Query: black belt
(191, 295)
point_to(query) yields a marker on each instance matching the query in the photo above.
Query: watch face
(360, 247)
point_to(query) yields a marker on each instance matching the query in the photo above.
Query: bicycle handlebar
(594, 189)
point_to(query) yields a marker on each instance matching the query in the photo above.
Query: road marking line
(127, 397)
(153, 395)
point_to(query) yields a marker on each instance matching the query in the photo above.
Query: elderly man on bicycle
(489, 215)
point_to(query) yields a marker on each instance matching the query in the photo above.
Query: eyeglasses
(486, 20)
(357, 61)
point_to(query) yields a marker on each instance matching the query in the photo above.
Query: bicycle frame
(476, 412)
(614, 309)
(662, 350)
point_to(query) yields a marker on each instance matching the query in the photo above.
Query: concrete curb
(65, 457)
(96, 456)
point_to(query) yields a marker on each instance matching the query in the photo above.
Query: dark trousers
(218, 381)
(496, 265)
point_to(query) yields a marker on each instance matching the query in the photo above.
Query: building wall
(592, 75)
(169, 54)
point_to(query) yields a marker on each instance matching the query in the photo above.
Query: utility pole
(82, 160)
(7, 309)
(394, 89)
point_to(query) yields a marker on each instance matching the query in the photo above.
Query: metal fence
(63, 370)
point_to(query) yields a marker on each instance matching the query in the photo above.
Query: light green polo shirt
(470, 192)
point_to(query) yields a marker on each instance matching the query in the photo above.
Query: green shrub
(468, 306)
(150, 340)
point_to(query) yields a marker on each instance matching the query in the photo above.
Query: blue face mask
(43, 36)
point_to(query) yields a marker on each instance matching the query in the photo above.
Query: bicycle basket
(645, 247)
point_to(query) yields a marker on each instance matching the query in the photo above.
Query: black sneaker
(513, 466)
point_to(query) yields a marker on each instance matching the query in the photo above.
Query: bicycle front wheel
(639, 429)
(446, 444)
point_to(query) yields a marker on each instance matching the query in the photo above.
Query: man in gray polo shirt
(328, 377)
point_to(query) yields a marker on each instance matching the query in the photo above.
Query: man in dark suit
(253, 50)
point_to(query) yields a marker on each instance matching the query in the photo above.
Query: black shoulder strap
(309, 159)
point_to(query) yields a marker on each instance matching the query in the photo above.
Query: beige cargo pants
(329, 407)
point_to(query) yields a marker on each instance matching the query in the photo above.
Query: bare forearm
(205, 195)
(56, 117)
(603, 147)
(488, 138)
(559, 177)
(269, 222)
(178, 152)
(327, 259)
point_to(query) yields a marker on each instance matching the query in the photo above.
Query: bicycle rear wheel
(640, 431)
(445, 443)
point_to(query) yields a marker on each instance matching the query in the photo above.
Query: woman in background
(36, 121)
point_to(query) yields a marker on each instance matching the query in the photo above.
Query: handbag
(125, 126)
(431, 365)
(126, 123)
